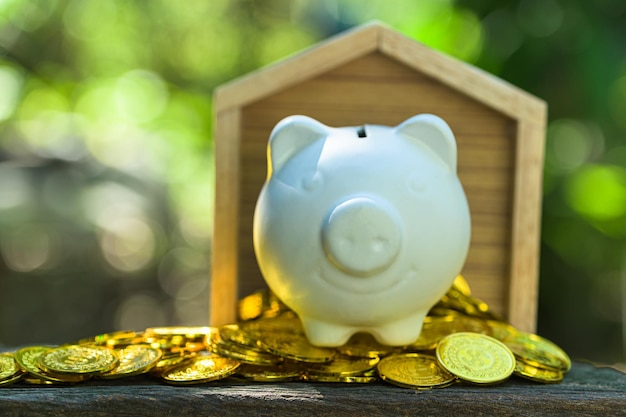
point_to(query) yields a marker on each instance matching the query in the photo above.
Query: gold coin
(112, 339)
(342, 366)
(363, 345)
(77, 359)
(201, 369)
(481, 309)
(475, 357)
(414, 370)
(167, 363)
(455, 299)
(176, 350)
(165, 343)
(171, 354)
(461, 285)
(546, 376)
(58, 378)
(193, 347)
(27, 357)
(501, 330)
(251, 306)
(538, 351)
(371, 372)
(39, 381)
(178, 334)
(435, 328)
(350, 379)
(286, 371)
(472, 325)
(15, 378)
(281, 324)
(10, 370)
(262, 303)
(437, 310)
(275, 307)
(294, 346)
(241, 353)
(119, 338)
(133, 360)
(234, 333)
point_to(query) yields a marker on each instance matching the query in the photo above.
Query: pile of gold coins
(461, 340)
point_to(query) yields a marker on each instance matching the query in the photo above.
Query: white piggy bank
(361, 229)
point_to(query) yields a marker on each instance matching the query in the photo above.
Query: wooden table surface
(585, 391)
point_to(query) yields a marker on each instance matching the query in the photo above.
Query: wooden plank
(483, 179)
(467, 79)
(585, 391)
(225, 243)
(372, 69)
(473, 128)
(400, 100)
(526, 225)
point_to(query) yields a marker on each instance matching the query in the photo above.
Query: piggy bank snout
(362, 236)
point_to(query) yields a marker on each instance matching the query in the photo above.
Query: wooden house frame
(375, 75)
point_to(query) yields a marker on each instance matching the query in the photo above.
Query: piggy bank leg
(401, 332)
(326, 334)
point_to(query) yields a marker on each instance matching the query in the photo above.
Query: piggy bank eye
(417, 184)
(313, 182)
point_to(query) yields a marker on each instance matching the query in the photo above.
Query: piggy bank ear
(289, 136)
(433, 132)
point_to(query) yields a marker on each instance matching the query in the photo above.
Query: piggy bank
(361, 229)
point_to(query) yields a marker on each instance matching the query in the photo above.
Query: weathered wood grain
(586, 391)
(225, 240)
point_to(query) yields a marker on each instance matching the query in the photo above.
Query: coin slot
(361, 132)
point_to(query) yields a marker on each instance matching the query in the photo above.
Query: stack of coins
(462, 340)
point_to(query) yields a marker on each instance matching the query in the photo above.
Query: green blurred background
(106, 148)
